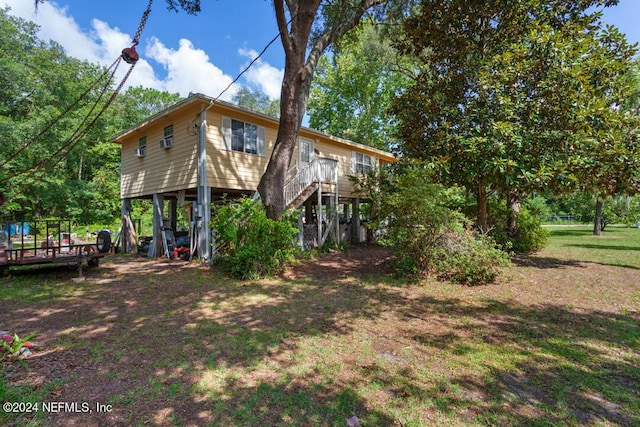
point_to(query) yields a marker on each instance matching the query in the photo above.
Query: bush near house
(250, 245)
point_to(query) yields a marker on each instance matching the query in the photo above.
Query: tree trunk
(481, 201)
(296, 84)
(597, 222)
(513, 210)
(294, 95)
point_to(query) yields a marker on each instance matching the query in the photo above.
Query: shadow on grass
(545, 262)
(171, 345)
(564, 368)
(606, 247)
(553, 263)
(570, 232)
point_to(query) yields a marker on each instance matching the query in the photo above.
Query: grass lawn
(555, 343)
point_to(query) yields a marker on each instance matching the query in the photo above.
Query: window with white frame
(243, 137)
(361, 163)
(141, 151)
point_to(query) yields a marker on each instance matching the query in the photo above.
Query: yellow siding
(232, 169)
(329, 148)
(161, 170)
(173, 169)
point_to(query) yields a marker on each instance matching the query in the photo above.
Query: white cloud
(263, 75)
(187, 69)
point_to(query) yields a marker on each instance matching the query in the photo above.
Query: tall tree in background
(607, 160)
(257, 101)
(354, 87)
(503, 90)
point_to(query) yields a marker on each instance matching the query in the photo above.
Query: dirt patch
(364, 262)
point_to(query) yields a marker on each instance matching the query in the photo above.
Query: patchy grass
(557, 342)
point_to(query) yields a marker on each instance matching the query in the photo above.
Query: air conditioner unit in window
(166, 142)
(140, 152)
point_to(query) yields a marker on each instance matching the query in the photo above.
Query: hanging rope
(130, 56)
(71, 141)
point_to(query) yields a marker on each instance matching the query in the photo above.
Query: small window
(168, 131)
(362, 163)
(141, 151)
(243, 137)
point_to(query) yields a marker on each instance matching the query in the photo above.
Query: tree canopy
(257, 101)
(507, 95)
(49, 167)
(354, 86)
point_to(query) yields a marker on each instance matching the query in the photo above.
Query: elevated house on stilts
(198, 152)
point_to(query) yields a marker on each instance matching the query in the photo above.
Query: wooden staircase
(307, 181)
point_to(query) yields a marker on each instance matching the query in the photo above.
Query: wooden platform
(60, 254)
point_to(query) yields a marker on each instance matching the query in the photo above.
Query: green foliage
(353, 88)
(49, 172)
(251, 245)
(257, 101)
(13, 350)
(537, 207)
(519, 96)
(468, 259)
(623, 210)
(529, 234)
(427, 235)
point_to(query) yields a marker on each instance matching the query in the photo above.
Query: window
(167, 140)
(361, 163)
(306, 148)
(141, 151)
(243, 137)
(168, 131)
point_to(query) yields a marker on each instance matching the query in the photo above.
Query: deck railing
(319, 170)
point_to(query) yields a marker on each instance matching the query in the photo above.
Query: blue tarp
(17, 228)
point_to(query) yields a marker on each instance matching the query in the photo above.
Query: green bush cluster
(249, 244)
(463, 257)
(529, 236)
(418, 219)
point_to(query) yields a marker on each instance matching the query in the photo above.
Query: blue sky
(203, 53)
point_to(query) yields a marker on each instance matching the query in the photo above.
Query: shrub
(417, 220)
(468, 259)
(530, 236)
(250, 245)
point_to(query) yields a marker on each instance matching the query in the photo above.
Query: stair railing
(317, 170)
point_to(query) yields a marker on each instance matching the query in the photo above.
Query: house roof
(208, 102)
